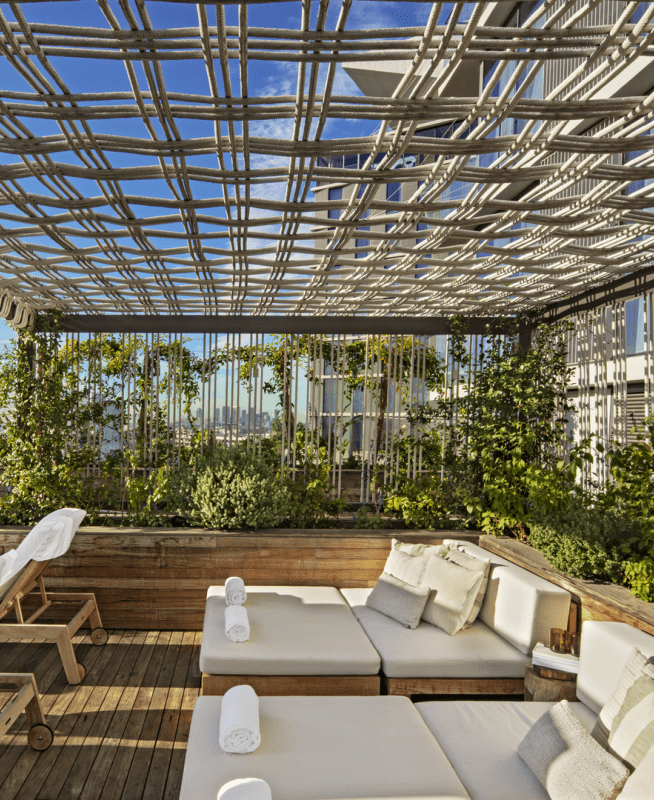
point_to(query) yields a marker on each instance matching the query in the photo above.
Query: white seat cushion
(324, 748)
(294, 630)
(605, 649)
(429, 652)
(481, 738)
(520, 606)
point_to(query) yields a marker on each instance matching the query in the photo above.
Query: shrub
(365, 520)
(311, 500)
(586, 542)
(229, 488)
(639, 576)
(428, 503)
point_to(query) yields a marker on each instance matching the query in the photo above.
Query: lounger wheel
(40, 737)
(81, 672)
(99, 636)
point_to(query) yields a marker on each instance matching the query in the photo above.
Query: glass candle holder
(557, 640)
(572, 643)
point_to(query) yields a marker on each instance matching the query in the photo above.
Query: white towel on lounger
(245, 789)
(48, 539)
(235, 594)
(237, 624)
(239, 720)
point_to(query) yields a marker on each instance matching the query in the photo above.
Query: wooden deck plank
(50, 681)
(89, 697)
(69, 749)
(163, 749)
(32, 768)
(45, 673)
(119, 735)
(75, 775)
(138, 773)
(191, 693)
(142, 649)
(115, 782)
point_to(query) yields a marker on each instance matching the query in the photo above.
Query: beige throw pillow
(405, 568)
(453, 591)
(398, 600)
(567, 761)
(625, 726)
(414, 549)
(408, 547)
(473, 564)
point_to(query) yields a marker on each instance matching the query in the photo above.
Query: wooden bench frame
(290, 685)
(30, 579)
(26, 698)
(408, 686)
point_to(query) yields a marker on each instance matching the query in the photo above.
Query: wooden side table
(549, 685)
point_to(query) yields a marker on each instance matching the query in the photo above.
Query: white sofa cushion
(520, 606)
(568, 761)
(480, 738)
(428, 652)
(453, 591)
(640, 782)
(605, 649)
(294, 630)
(625, 725)
(324, 748)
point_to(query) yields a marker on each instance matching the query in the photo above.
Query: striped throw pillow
(474, 565)
(625, 726)
(404, 567)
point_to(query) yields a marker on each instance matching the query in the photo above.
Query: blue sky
(265, 78)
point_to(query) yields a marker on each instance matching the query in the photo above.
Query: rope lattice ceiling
(148, 168)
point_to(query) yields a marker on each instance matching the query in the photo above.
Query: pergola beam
(633, 285)
(407, 326)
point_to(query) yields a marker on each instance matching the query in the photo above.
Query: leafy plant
(367, 520)
(512, 419)
(312, 499)
(586, 542)
(45, 405)
(430, 503)
(228, 489)
(632, 470)
(147, 497)
(639, 576)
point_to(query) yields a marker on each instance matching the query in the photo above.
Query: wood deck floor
(119, 735)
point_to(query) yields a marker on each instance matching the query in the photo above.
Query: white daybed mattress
(294, 630)
(477, 652)
(324, 748)
(481, 740)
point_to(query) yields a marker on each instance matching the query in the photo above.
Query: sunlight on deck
(121, 733)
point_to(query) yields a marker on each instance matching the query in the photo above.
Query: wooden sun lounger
(30, 579)
(26, 698)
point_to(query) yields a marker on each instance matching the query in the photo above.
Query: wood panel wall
(157, 579)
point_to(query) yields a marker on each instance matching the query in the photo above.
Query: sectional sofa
(490, 656)
(339, 748)
(311, 640)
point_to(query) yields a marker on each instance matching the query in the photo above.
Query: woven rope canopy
(137, 199)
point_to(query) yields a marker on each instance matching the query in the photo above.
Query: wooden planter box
(157, 578)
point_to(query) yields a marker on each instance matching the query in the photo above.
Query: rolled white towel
(237, 624)
(245, 789)
(235, 594)
(239, 720)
